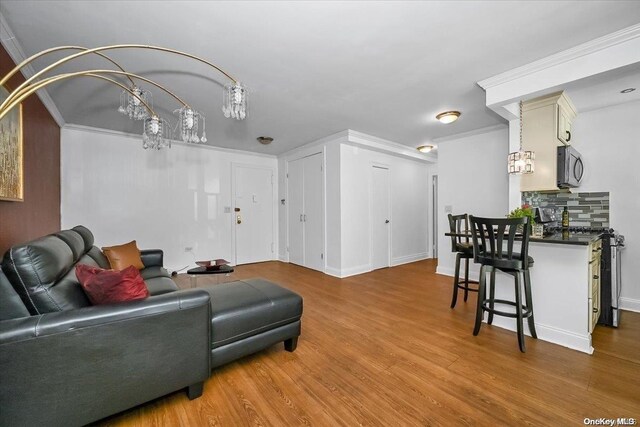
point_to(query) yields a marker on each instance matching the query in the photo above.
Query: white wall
(348, 159)
(409, 207)
(608, 141)
(168, 199)
(333, 207)
(473, 179)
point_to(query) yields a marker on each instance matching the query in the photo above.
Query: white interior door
(295, 211)
(313, 213)
(380, 218)
(253, 214)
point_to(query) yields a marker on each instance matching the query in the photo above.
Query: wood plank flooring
(384, 348)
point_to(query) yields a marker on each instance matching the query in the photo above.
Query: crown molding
(578, 51)
(384, 145)
(12, 46)
(138, 138)
(471, 133)
(353, 137)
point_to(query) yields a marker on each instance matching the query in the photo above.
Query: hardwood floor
(384, 348)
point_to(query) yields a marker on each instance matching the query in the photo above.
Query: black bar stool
(459, 226)
(493, 240)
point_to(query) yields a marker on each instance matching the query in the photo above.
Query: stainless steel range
(611, 278)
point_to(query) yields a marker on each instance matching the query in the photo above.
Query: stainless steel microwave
(570, 167)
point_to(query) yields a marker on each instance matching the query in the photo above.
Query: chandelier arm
(119, 46)
(55, 49)
(41, 84)
(18, 93)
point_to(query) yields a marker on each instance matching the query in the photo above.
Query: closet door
(313, 213)
(380, 217)
(295, 211)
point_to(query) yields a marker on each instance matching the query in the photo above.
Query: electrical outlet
(188, 249)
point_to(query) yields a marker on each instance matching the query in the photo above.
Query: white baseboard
(630, 304)
(409, 258)
(445, 271)
(335, 272)
(474, 273)
(548, 333)
(282, 258)
(346, 272)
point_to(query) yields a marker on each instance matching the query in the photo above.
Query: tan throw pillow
(123, 256)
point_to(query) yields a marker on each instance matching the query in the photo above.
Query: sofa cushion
(160, 285)
(122, 256)
(244, 308)
(74, 241)
(155, 271)
(86, 234)
(111, 286)
(41, 273)
(11, 306)
(98, 257)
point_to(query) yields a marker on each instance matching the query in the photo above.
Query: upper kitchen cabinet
(546, 124)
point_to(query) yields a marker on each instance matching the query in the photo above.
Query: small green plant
(523, 211)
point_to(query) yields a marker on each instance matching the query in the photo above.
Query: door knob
(386, 221)
(238, 219)
(237, 210)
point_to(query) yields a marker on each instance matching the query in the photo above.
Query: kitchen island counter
(567, 238)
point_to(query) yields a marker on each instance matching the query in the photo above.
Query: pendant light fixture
(521, 161)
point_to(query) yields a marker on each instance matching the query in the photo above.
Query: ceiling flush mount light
(521, 161)
(135, 102)
(425, 148)
(265, 140)
(628, 90)
(448, 116)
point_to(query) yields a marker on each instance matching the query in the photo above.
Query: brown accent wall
(39, 214)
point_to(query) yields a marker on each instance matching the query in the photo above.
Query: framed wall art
(11, 153)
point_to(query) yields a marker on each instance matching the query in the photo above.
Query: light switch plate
(448, 208)
(227, 209)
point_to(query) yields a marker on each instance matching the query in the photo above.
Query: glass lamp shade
(234, 103)
(132, 106)
(520, 162)
(156, 133)
(188, 123)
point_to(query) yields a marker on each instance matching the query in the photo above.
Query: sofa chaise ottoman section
(250, 315)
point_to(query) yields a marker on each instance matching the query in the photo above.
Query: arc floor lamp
(135, 102)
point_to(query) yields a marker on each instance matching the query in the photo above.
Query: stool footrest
(461, 286)
(526, 312)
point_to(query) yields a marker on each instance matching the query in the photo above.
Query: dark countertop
(568, 238)
(580, 239)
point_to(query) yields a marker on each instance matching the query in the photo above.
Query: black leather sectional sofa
(65, 362)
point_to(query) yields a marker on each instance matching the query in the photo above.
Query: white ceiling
(314, 68)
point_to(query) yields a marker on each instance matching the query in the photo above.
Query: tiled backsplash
(585, 209)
